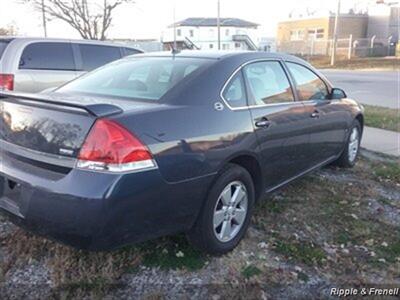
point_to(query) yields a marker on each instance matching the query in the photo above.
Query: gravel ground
(333, 228)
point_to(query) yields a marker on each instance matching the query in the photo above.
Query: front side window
(234, 93)
(309, 85)
(136, 78)
(267, 83)
(47, 56)
(94, 56)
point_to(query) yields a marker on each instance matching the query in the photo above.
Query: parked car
(156, 144)
(34, 65)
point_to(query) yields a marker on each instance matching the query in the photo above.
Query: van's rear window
(3, 46)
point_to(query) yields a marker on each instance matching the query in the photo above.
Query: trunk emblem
(66, 152)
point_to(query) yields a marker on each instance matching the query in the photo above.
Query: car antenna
(174, 46)
(175, 51)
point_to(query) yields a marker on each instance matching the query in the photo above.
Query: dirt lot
(333, 228)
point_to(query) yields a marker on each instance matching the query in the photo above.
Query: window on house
(320, 33)
(211, 46)
(191, 33)
(225, 46)
(296, 35)
(179, 32)
(238, 45)
(227, 32)
(317, 33)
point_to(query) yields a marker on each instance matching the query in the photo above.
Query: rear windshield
(3, 46)
(147, 78)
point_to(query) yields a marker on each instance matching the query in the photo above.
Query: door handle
(315, 114)
(263, 123)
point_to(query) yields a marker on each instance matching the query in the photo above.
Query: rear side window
(309, 85)
(130, 51)
(234, 92)
(94, 56)
(3, 46)
(48, 56)
(268, 83)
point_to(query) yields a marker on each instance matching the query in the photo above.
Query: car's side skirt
(325, 162)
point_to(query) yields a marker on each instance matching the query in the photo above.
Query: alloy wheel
(230, 211)
(353, 144)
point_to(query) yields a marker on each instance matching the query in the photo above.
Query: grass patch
(382, 117)
(356, 63)
(343, 237)
(303, 277)
(69, 268)
(273, 206)
(391, 252)
(387, 171)
(172, 253)
(250, 271)
(304, 252)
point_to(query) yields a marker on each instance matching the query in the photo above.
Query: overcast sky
(147, 18)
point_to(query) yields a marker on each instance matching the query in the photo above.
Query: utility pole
(335, 34)
(44, 20)
(219, 24)
(174, 29)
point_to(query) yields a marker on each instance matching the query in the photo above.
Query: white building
(202, 33)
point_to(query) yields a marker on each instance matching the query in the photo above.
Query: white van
(33, 65)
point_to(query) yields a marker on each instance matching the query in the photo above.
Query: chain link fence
(345, 48)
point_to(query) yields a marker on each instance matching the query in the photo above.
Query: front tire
(226, 214)
(350, 154)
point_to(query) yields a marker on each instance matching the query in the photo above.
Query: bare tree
(9, 30)
(91, 20)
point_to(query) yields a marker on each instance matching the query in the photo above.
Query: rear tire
(226, 214)
(349, 156)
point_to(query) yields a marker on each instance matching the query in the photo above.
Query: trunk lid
(50, 126)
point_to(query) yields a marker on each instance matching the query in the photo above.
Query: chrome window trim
(254, 106)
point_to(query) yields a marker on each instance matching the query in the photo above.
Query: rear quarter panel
(190, 142)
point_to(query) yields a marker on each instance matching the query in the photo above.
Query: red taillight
(7, 82)
(111, 147)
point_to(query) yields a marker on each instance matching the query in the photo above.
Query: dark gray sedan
(157, 144)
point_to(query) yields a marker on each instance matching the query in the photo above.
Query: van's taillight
(111, 147)
(6, 82)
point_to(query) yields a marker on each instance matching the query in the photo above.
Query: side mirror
(337, 93)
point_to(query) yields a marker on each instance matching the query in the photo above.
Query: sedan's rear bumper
(94, 210)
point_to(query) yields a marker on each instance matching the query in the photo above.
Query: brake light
(6, 82)
(111, 147)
